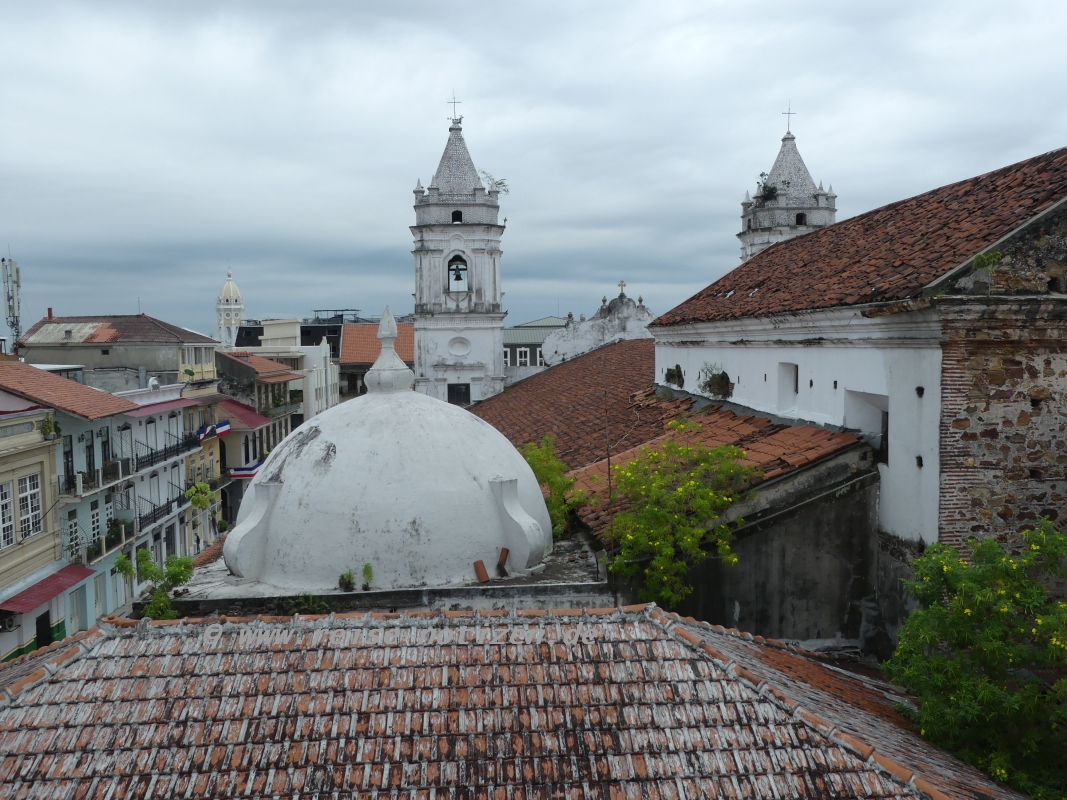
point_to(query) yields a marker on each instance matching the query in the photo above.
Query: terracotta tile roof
(360, 345)
(773, 449)
(603, 703)
(242, 416)
(585, 402)
(263, 366)
(128, 328)
(861, 707)
(63, 394)
(887, 254)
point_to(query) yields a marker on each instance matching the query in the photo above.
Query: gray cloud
(146, 148)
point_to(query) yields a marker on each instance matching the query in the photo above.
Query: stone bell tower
(787, 203)
(459, 325)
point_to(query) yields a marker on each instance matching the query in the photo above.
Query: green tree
(200, 495)
(174, 572)
(551, 473)
(984, 656)
(677, 496)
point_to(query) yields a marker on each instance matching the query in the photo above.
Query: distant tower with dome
(229, 312)
(459, 323)
(787, 203)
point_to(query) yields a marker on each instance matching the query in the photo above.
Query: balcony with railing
(145, 457)
(215, 479)
(149, 513)
(79, 484)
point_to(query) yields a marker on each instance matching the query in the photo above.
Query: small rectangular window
(540, 357)
(523, 359)
(104, 352)
(459, 394)
(507, 357)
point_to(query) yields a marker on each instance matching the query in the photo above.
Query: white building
(616, 320)
(459, 324)
(787, 203)
(229, 312)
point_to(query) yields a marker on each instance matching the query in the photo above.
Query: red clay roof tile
(129, 328)
(598, 398)
(773, 449)
(53, 391)
(360, 345)
(263, 366)
(887, 254)
(602, 705)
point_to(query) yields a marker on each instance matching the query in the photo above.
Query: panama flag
(222, 428)
(248, 472)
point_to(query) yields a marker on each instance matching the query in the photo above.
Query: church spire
(787, 202)
(456, 173)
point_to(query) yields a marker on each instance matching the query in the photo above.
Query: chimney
(50, 312)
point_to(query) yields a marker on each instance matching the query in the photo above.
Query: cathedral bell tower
(459, 326)
(229, 312)
(787, 203)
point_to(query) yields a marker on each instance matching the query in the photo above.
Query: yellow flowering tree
(985, 656)
(677, 496)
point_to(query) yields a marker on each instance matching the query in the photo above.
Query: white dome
(417, 488)
(229, 290)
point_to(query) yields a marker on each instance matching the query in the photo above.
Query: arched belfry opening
(457, 217)
(457, 274)
(802, 219)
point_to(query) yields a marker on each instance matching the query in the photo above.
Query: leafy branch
(678, 495)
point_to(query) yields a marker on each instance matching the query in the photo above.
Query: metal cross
(454, 102)
(788, 114)
(622, 286)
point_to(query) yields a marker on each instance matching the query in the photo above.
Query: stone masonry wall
(1004, 386)
(1003, 423)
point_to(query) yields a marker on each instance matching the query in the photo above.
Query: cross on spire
(622, 286)
(789, 114)
(454, 102)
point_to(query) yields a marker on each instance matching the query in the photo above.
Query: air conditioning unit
(8, 623)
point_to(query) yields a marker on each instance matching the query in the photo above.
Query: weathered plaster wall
(801, 574)
(849, 369)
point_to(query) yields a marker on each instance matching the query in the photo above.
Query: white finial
(389, 373)
(229, 274)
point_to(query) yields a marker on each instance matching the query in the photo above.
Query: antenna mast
(12, 285)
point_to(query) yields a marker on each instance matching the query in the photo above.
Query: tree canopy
(986, 657)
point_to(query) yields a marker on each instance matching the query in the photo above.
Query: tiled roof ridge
(210, 554)
(866, 751)
(74, 647)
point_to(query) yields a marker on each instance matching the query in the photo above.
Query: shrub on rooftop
(174, 572)
(678, 495)
(551, 474)
(986, 657)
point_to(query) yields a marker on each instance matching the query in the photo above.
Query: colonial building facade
(935, 326)
(459, 323)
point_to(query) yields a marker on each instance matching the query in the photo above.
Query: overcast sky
(146, 148)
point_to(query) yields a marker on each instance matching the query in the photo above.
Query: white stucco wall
(459, 348)
(850, 368)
